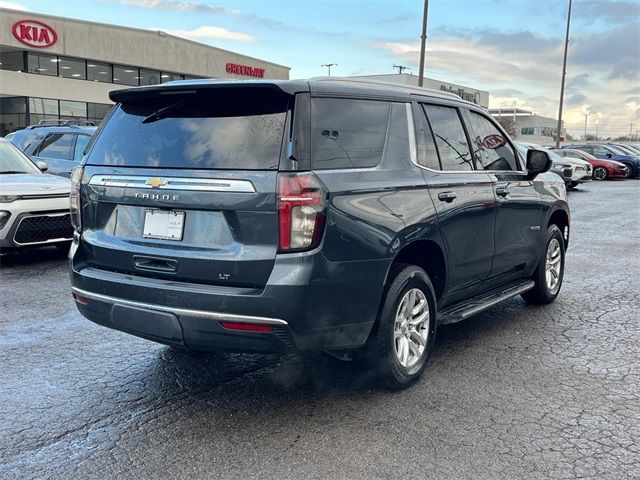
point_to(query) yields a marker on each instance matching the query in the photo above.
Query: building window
(43, 106)
(73, 110)
(13, 61)
(123, 75)
(99, 72)
(527, 131)
(72, 68)
(13, 114)
(170, 77)
(97, 111)
(42, 64)
(149, 77)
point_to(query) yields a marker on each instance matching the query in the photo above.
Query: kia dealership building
(59, 68)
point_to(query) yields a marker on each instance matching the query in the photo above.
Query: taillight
(75, 210)
(301, 200)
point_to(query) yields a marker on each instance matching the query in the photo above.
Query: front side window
(347, 133)
(57, 146)
(491, 148)
(427, 152)
(600, 151)
(450, 138)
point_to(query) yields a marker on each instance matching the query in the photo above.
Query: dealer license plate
(163, 224)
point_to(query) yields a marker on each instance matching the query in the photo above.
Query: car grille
(41, 229)
(567, 173)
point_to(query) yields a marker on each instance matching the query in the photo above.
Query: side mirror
(609, 155)
(538, 162)
(42, 165)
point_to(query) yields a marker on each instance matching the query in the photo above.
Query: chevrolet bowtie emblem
(156, 182)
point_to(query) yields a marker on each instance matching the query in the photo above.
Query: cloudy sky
(512, 48)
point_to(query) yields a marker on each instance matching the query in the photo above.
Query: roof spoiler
(190, 87)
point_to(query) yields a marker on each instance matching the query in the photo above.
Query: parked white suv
(34, 206)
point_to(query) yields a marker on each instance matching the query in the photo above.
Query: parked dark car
(346, 216)
(608, 152)
(61, 145)
(602, 169)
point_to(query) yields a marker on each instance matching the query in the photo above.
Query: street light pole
(564, 74)
(329, 65)
(423, 42)
(586, 115)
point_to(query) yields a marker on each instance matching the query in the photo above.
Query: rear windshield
(213, 131)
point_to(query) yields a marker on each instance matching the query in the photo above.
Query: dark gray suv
(338, 215)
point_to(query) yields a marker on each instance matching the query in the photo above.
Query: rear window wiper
(161, 112)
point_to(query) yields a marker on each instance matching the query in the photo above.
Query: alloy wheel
(411, 328)
(553, 265)
(600, 173)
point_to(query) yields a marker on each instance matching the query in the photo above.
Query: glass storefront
(18, 112)
(81, 69)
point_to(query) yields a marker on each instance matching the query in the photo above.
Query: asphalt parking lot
(516, 392)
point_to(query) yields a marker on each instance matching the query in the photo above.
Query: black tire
(380, 350)
(541, 294)
(573, 185)
(600, 173)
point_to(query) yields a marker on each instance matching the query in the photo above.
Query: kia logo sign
(34, 33)
(493, 141)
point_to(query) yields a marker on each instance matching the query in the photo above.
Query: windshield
(625, 150)
(13, 161)
(240, 131)
(615, 150)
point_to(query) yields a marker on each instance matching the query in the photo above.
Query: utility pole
(329, 65)
(423, 44)
(401, 68)
(564, 74)
(586, 115)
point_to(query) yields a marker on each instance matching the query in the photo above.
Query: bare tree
(509, 126)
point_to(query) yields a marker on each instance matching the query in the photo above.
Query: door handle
(447, 196)
(502, 191)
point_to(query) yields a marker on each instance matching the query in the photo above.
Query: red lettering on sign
(245, 70)
(34, 33)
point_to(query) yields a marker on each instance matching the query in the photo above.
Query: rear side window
(81, 144)
(236, 130)
(347, 133)
(491, 149)
(450, 138)
(57, 146)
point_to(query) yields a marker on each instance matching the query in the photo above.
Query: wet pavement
(516, 392)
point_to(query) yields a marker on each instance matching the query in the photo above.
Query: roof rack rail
(62, 123)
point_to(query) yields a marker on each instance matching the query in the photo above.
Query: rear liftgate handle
(155, 264)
